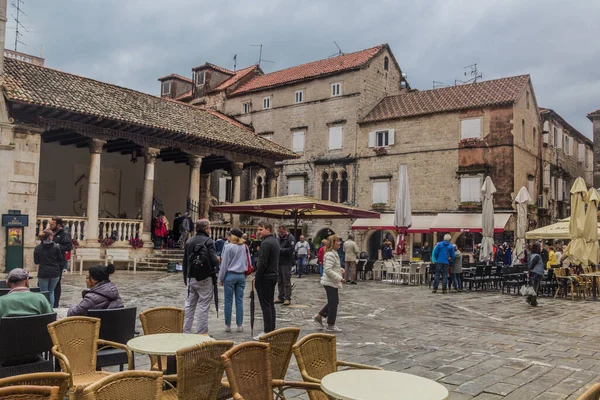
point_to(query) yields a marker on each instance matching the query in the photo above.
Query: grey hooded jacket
(100, 297)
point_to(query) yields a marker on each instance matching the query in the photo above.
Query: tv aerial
(260, 59)
(339, 53)
(473, 73)
(17, 5)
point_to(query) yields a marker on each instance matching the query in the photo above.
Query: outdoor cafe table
(165, 344)
(594, 276)
(368, 384)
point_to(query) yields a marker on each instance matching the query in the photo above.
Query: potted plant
(136, 243)
(380, 150)
(106, 242)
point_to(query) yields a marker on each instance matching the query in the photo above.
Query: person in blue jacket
(444, 256)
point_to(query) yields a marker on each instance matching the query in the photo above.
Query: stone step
(161, 260)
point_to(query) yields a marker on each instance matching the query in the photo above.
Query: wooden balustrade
(122, 229)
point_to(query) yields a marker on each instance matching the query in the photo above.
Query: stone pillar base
(91, 243)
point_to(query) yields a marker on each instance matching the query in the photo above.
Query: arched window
(259, 187)
(344, 189)
(523, 130)
(334, 187)
(325, 186)
(386, 63)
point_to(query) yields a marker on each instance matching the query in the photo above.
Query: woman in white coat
(332, 280)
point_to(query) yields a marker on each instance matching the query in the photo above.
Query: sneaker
(227, 328)
(258, 336)
(332, 328)
(318, 319)
(240, 329)
(278, 301)
(434, 291)
(286, 303)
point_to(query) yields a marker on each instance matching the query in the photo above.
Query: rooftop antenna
(473, 73)
(438, 84)
(17, 5)
(234, 62)
(260, 59)
(339, 53)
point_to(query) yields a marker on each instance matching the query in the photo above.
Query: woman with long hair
(100, 292)
(50, 261)
(332, 280)
(232, 276)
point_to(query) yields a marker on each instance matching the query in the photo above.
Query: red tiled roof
(474, 95)
(311, 70)
(175, 76)
(185, 96)
(556, 116)
(215, 67)
(594, 113)
(234, 79)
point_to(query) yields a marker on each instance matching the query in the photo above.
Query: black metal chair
(431, 273)
(4, 291)
(3, 285)
(487, 277)
(477, 278)
(548, 284)
(26, 345)
(116, 325)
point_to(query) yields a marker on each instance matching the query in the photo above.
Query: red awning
(420, 223)
(466, 222)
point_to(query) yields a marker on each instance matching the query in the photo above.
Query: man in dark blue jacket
(444, 256)
(286, 260)
(266, 275)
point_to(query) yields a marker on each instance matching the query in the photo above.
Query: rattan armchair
(76, 343)
(316, 356)
(29, 393)
(139, 385)
(53, 379)
(161, 320)
(593, 393)
(281, 342)
(199, 372)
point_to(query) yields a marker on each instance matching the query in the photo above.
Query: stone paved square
(480, 345)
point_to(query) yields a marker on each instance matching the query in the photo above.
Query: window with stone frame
(267, 103)
(166, 87)
(298, 142)
(259, 187)
(299, 96)
(335, 137)
(335, 184)
(325, 186)
(470, 128)
(336, 89)
(344, 187)
(386, 63)
(296, 185)
(380, 192)
(246, 107)
(470, 189)
(200, 77)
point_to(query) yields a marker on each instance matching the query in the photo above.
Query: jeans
(200, 294)
(265, 289)
(284, 282)
(457, 278)
(320, 266)
(330, 309)
(351, 271)
(234, 284)
(58, 289)
(48, 285)
(301, 265)
(443, 270)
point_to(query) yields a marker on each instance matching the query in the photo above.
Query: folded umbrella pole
(252, 306)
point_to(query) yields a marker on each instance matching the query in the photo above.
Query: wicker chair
(248, 368)
(281, 342)
(593, 393)
(53, 379)
(199, 373)
(139, 385)
(316, 357)
(161, 320)
(29, 393)
(76, 343)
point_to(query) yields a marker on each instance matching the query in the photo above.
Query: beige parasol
(577, 249)
(522, 200)
(590, 231)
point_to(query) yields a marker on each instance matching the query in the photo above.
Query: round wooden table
(368, 384)
(165, 344)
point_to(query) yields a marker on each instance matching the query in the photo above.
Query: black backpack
(200, 264)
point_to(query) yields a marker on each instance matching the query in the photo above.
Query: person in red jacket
(160, 230)
(320, 255)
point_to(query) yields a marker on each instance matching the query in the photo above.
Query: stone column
(273, 187)
(93, 199)
(236, 172)
(194, 192)
(205, 195)
(148, 192)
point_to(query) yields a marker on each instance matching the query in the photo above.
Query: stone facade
(595, 118)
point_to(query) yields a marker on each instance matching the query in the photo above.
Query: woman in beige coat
(332, 280)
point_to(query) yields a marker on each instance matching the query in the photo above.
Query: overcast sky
(133, 42)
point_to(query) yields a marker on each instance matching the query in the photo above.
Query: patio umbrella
(252, 306)
(577, 249)
(559, 230)
(487, 219)
(403, 212)
(523, 199)
(590, 229)
(295, 207)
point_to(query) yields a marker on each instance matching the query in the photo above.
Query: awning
(420, 223)
(559, 230)
(467, 222)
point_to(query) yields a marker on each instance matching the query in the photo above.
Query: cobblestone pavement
(480, 345)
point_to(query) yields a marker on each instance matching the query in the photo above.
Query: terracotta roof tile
(175, 76)
(31, 84)
(215, 67)
(186, 96)
(474, 95)
(593, 113)
(234, 79)
(311, 70)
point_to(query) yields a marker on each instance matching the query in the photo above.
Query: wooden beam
(77, 140)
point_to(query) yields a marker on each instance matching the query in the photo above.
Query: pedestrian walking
(444, 256)
(332, 280)
(536, 272)
(254, 248)
(284, 273)
(302, 250)
(50, 261)
(200, 265)
(185, 227)
(457, 270)
(232, 276)
(62, 237)
(267, 275)
(351, 252)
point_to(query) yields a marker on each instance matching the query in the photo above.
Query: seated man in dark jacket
(100, 294)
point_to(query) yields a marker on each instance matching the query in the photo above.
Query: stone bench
(89, 254)
(113, 255)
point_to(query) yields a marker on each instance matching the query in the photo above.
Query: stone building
(594, 116)
(567, 155)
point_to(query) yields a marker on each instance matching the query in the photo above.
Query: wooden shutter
(390, 137)
(372, 138)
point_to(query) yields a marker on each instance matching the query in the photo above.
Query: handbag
(249, 269)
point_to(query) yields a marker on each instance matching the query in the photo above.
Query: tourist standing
(177, 227)
(160, 230)
(507, 254)
(284, 273)
(552, 260)
(185, 227)
(444, 256)
(219, 244)
(100, 293)
(267, 275)
(301, 250)
(50, 261)
(536, 272)
(254, 247)
(499, 256)
(426, 253)
(457, 270)
(232, 276)
(351, 252)
(20, 301)
(332, 280)
(545, 253)
(62, 237)
(321, 255)
(199, 249)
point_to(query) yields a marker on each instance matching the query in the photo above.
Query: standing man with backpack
(200, 266)
(62, 237)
